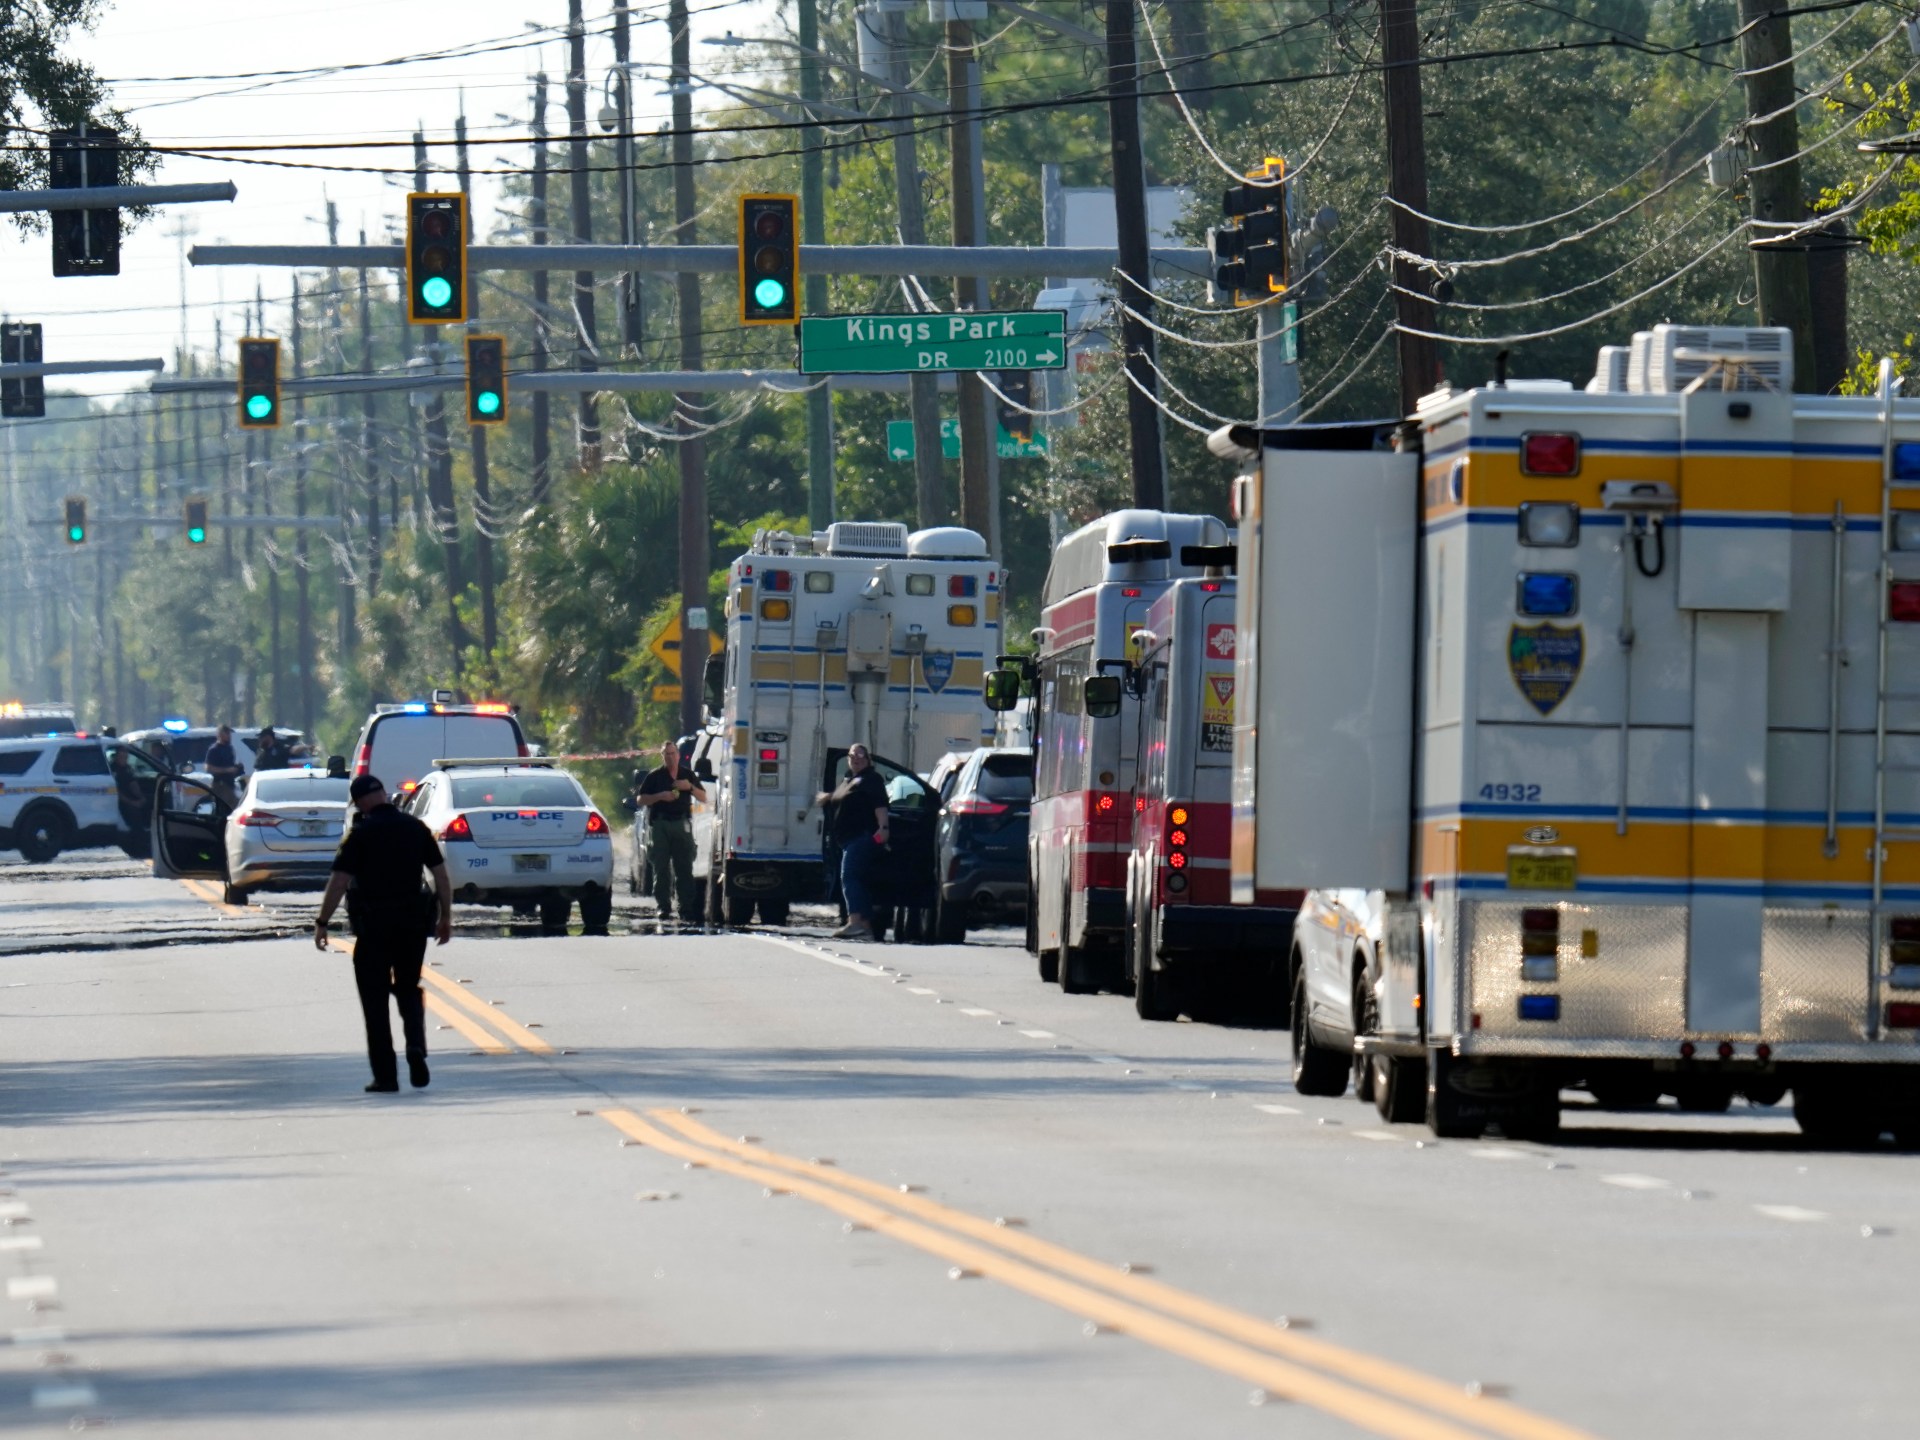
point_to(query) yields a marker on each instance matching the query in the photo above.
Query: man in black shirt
(382, 858)
(668, 794)
(857, 823)
(224, 766)
(269, 752)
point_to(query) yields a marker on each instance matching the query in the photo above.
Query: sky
(147, 49)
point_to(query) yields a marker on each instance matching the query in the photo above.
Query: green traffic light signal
(196, 536)
(436, 293)
(769, 294)
(76, 533)
(487, 402)
(76, 507)
(259, 407)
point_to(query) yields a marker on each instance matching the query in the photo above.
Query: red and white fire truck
(1189, 947)
(1103, 580)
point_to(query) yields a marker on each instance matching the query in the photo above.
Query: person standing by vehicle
(224, 766)
(270, 752)
(381, 859)
(857, 823)
(668, 796)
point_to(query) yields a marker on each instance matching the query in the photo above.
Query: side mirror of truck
(1003, 690)
(1102, 693)
(716, 683)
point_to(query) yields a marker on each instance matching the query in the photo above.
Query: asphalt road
(750, 1184)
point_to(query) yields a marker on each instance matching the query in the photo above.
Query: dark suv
(983, 842)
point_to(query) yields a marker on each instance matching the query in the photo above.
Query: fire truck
(1104, 578)
(1189, 949)
(1600, 757)
(860, 633)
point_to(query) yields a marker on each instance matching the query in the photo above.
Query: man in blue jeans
(857, 821)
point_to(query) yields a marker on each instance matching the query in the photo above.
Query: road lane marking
(40, 1335)
(212, 896)
(1795, 1213)
(14, 1210)
(1636, 1182)
(1276, 1110)
(19, 1242)
(475, 1035)
(1380, 1415)
(816, 952)
(1236, 1326)
(1374, 1135)
(1038, 1034)
(974, 1010)
(63, 1397)
(505, 1024)
(32, 1287)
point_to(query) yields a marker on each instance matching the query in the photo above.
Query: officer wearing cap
(378, 869)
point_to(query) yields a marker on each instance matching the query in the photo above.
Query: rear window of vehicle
(22, 727)
(80, 760)
(405, 746)
(1007, 777)
(17, 762)
(291, 790)
(538, 792)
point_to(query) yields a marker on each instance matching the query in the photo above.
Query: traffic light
(437, 259)
(76, 519)
(26, 397)
(196, 522)
(85, 242)
(1015, 410)
(486, 380)
(1250, 254)
(259, 384)
(769, 260)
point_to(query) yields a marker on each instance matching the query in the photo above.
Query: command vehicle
(861, 632)
(1600, 751)
(1103, 580)
(1189, 949)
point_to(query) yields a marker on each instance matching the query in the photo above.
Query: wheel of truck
(773, 912)
(1703, 1096)
(1153, 990)
(738, 909)
(1400, 1089)
(1316, 1069)
(1834, 1114)
(1048, 964)
(1449, 1114)
(554, 910)
(1366, 1021)
(1629, 1093)
(234, 895)
(1078, 971)
(710, 899)
(596, 909)
(42, 832)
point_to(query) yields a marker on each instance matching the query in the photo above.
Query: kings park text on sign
(893, 344)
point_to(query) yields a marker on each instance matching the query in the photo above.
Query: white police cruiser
(66, 792)
(519, 830)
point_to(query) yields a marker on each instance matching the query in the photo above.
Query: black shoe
(417, 1072)
(383, 1087)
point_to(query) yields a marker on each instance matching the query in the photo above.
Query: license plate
(528, 864)
(312, 829)
(1541, 872)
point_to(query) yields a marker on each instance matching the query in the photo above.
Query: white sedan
(520, 833)
(284, 832)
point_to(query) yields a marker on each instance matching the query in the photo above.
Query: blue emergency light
(415, 707)
(1539, 1007)
(1906, 460)
(175, 726)
(1549, 594)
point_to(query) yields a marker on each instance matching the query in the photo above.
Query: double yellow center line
(464, 1011)
(1373, 1394)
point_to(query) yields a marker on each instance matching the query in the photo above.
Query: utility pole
(1407, 184)
(627, 286)
(276, 661)
(371, 470)
(1773, 180)
(445, 518)
(483, 513)
(586, 354)
(304, 648)
(931, 504)
(970, 292)
(542, 413)
(813, 230)
(695, 542)
(1135, 287)
(333, 357)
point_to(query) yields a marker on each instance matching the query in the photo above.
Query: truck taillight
(1903, 600)
(781, 580)
(1106, 804)
(1903, 1015)
(1539, 946)
(1176, 861)
(1549, 453)
(1177, 837)
(962, 587)
(1903, 933)
(457, 829)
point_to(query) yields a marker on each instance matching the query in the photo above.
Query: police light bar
(175, 725)
(522, 762)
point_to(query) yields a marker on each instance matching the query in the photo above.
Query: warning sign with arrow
(666, 645)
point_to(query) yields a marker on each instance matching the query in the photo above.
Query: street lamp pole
(813, 230)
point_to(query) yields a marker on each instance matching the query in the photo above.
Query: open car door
(189, 830)
(908, 879)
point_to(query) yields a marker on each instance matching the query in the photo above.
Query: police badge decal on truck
(1545, 661)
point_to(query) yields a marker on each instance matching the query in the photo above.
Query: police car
(184, 747)
(62, 792)
(519, 830)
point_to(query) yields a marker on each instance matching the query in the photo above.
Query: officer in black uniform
(382, 858)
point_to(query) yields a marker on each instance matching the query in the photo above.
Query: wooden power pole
(1407, 184)
(1773, 179)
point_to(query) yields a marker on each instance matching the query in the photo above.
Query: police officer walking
(668, 796)
(391, 915)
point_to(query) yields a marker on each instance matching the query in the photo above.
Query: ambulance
(859, 633)
(1190, 950)
(1591, 723)
(1104, 579)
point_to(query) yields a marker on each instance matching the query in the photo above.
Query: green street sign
(903, 344)
(900, 444)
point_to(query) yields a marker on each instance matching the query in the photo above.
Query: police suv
(63, 792)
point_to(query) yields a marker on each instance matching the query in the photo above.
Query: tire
(773, 912)
(1366, 1021)
(738, 909)
(1155, 993)
(235, 895)
(1078, 972)
(1400, 1089)
(554, 910)
(1316, 1069)
(949, 923)
(1049, 966)
(596, 909)
(1704, 1097)
(42, 833)
(1448, 1113)
(1632, 1093)
(710, 898)
(1837, 1115)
